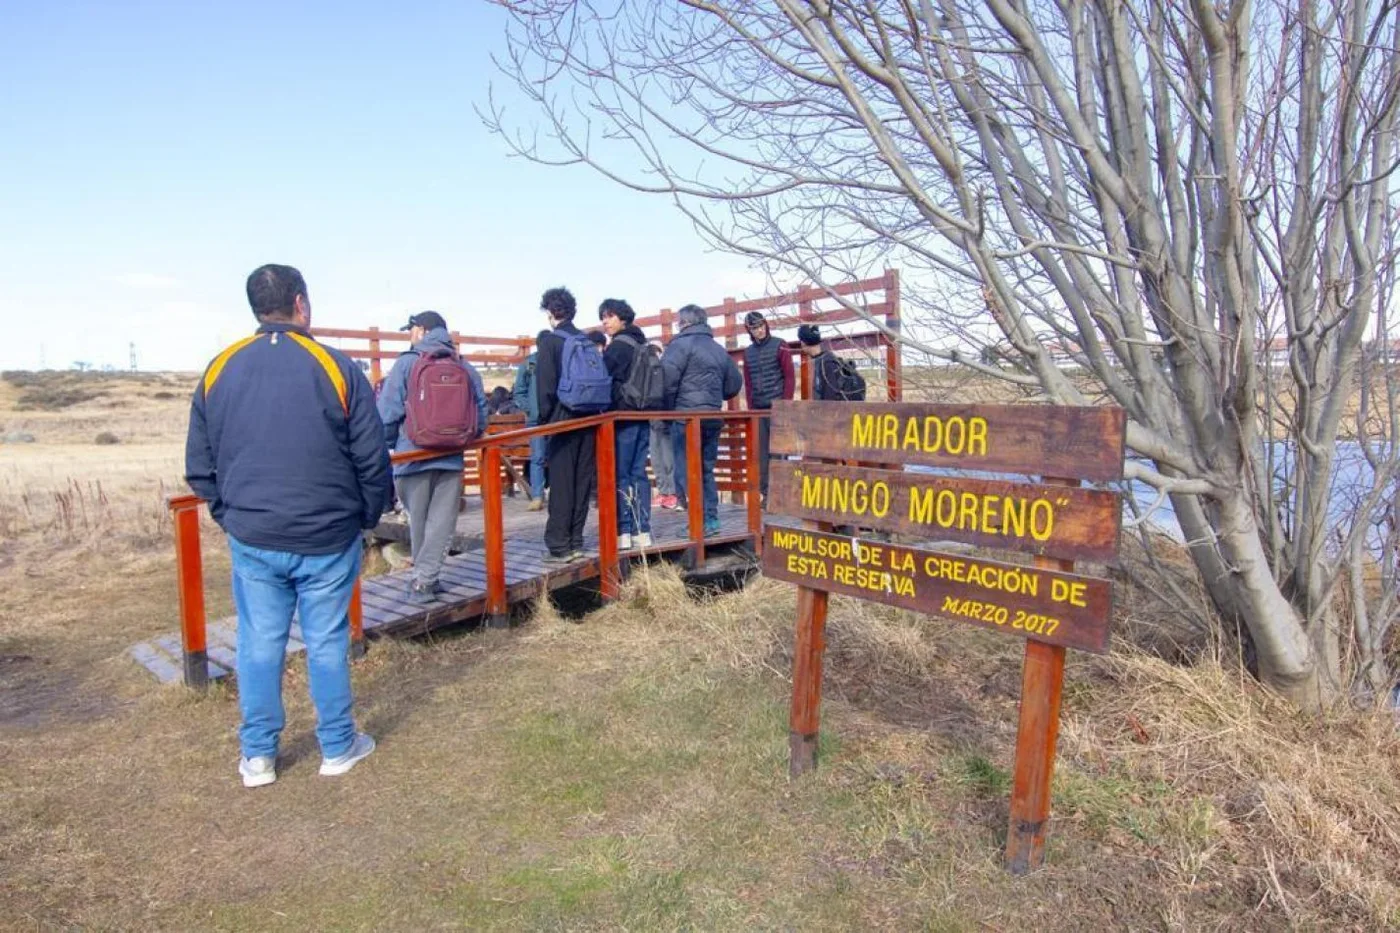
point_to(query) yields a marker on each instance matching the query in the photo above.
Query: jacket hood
(635, 332)
(436, 339)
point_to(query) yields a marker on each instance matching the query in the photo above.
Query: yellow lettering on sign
(955, 435)
(846, 496)
(987, 513)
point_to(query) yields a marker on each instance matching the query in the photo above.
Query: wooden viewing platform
(501, 545)
(385, 610)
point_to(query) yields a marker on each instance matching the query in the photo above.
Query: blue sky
(153, 153)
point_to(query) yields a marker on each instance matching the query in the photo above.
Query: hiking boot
(642, 539)
(712, 528)
(257, 771)
(536, 505)
(624, 542)
(359, 750)
(421, 594)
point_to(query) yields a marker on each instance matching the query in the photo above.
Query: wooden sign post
(1056, 521)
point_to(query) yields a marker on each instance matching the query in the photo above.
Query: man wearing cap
(431, 490)
(826, 367)
(768, 376)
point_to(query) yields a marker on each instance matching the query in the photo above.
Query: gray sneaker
(421, 594)
(359, 750)
(258, 771)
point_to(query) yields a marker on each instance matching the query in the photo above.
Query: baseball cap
(427, 320)
(753, 319)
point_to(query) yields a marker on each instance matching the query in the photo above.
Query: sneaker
(359, 750)
(712, 528)
(420, 594)
(536, 505)
(577, 554)
(554, 559)
(624, 542)
(258, 771)
(642, 539)
(670, 502)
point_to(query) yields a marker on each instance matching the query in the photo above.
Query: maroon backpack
(439, 405)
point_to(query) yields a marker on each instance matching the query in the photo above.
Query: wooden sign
(1054, 521)
(1031, 440)
(1056, 608)
(1047, 604)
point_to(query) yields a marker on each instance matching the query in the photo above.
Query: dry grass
(629, 772)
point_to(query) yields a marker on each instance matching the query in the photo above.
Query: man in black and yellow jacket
(287, 448)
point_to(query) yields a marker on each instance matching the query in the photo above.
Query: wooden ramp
(387, 611)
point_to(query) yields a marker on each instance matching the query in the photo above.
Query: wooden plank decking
(388, 612)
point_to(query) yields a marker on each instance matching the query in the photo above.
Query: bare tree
(1195, 200)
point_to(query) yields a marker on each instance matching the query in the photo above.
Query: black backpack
(848, 384)
(644, 389)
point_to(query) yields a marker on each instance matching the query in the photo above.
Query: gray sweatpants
(663, 460)
(431, 498)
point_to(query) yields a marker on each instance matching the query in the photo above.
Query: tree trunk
(1287, 659)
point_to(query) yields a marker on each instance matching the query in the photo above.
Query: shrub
(106, 437)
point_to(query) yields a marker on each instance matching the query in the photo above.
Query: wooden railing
(879, 298)
(739, 473)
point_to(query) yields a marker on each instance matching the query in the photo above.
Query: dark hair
(598, 337)
(273, 291)
(619, 309)
(560, 304)
(809, 335)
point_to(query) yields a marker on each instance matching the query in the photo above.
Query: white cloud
(147, 281)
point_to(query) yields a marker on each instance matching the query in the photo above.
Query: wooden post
(1042, 680)
(189, 571)
(357, 624)
(695, 495)
(752, 499)
(376, 370)
(665, 326)
(804, 723)
(731, 323)
(489, 464)
(894, 368)
(606, 457)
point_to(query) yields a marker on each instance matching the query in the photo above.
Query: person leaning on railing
(286, 447)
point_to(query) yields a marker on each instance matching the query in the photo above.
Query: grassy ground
(629, 772)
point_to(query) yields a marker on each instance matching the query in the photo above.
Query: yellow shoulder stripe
(327, 362)
(211, 374)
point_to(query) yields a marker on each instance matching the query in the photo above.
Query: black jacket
(550, 347)
(700, 374)
(286, 446)
(619, 355)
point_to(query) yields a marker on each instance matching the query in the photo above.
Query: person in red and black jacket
(768, 376)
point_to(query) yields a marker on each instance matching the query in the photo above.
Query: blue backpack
(584, 384)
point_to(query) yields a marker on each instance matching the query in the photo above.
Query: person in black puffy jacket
(700, 376)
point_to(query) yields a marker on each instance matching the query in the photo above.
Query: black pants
(572, 470)
(763, 456)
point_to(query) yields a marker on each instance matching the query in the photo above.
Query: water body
(1352, 478)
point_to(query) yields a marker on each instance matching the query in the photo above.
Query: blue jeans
(633, 486)
(539, 452)
(709, 453)
(267, 587)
